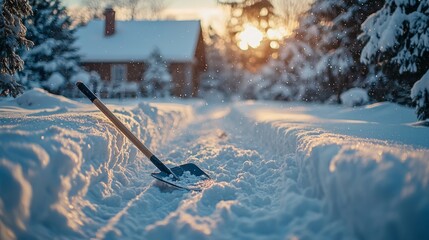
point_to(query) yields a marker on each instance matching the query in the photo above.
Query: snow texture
(177, 40)
(280, 171)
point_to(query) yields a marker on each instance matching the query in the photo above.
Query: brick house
(117, 50)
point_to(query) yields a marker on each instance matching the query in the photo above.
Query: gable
(135, 41)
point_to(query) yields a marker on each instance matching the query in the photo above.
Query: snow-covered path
(280, 171)
(254, 194)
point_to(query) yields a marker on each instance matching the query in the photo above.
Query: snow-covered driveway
(281, 171)
(254, 195)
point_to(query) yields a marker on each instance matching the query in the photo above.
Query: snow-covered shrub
(249, 86)
(54, 83)
(420, 96)
(281, 92)
(211, 88)
(81, 76)
(91, 79)
(157, 80)
(354, 97)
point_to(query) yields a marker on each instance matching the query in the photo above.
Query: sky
(208, 11)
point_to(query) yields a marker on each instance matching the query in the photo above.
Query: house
(117, 50)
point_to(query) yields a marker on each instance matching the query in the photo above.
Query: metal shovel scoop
(172, 176)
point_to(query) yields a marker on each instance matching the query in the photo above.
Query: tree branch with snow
(12, 37)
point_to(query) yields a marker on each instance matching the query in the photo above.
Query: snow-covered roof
(135, 40)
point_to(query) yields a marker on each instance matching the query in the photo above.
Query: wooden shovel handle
(82, 87)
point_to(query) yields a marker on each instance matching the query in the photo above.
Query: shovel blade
(184, 172)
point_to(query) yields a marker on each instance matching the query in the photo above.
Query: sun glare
(249, 37)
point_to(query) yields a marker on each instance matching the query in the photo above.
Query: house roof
(135, 40)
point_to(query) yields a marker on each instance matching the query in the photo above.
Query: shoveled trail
(254, 194)
(280, 170)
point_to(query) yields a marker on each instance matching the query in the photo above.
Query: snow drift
(280, 171)
(56, 166)
(377, 187)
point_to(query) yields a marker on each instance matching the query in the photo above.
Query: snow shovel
(187, 176)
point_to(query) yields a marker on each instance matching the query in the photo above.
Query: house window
(118, 72)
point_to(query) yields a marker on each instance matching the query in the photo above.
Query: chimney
(109, 28)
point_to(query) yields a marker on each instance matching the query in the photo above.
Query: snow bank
(40, 99)
(59, 170)
(378, 188)
(280, 171)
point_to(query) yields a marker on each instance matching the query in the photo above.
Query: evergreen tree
(331, 28)
(300, 58)
(216, 81)
(53, 60)
(300, 54)
(12, 36)
(272, 83)
(397, 42)
(157, 81)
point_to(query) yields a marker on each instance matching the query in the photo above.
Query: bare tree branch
(290, 10)
(133, 7)
(155, 8)
(95, 7)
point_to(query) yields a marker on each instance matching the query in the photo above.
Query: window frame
(118, 72)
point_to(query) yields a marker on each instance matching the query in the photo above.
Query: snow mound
(40, 99)
(377, 188)
(354, 97)
(381, 112)
(66, 174)
(279, 170)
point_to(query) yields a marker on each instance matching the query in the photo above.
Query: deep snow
(280, 171)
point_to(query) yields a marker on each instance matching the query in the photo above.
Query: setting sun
(250, 36)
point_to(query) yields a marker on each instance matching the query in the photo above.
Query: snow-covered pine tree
(273, 82)
(157, 80)
(336, 27)
(54, 59)
(300, 55)
(397, 40)
(12, 36)
(299, 58)
(214, 82)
